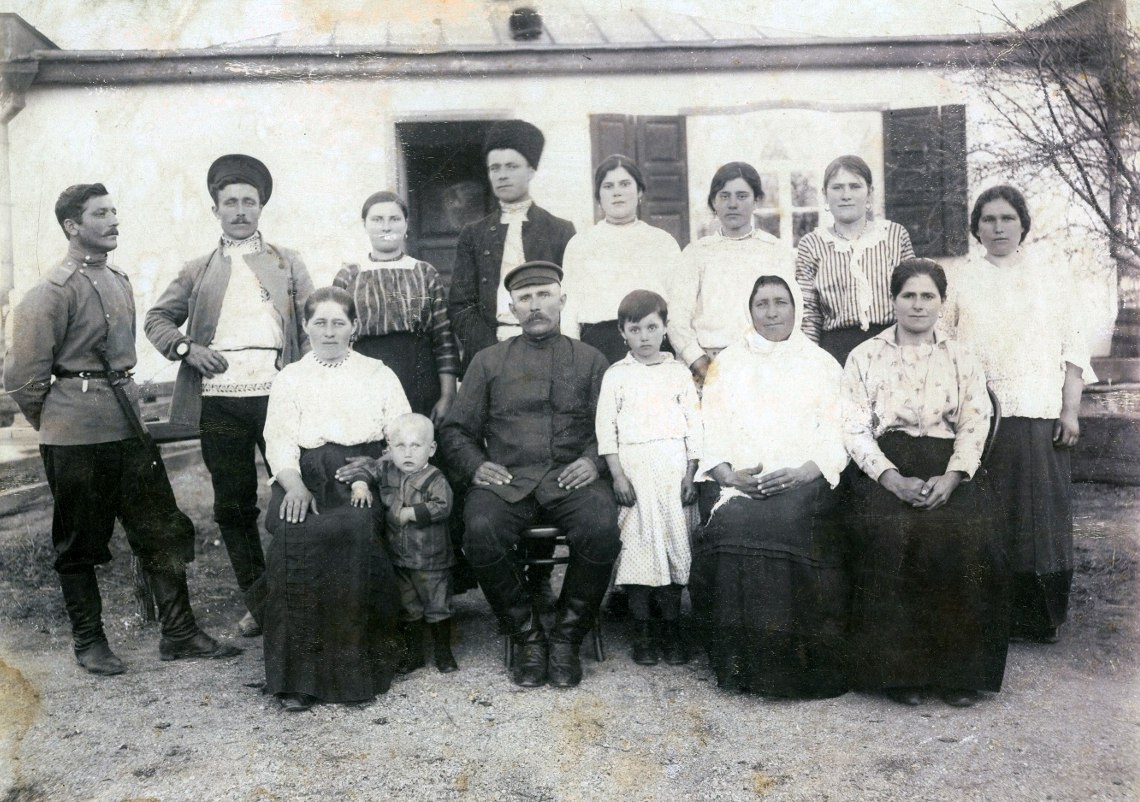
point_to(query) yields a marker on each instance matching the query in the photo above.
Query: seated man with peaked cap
(243, 308)
(522, 432)
(98, 469)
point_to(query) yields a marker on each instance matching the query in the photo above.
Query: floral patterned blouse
(930, 390)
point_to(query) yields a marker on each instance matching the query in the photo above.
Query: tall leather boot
(181, 637)
(441, 645)
(582, 591)
(85, 609)
(510, 600)
(412, 640)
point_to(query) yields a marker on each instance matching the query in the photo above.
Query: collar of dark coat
(534, 214)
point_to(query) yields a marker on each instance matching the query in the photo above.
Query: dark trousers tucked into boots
(231, 437)
(85, 609)
(588, 517)
(92, 486)
(510, 600)
(181, 636)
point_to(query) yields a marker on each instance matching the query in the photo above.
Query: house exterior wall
(331, 142)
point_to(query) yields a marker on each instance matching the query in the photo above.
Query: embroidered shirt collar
(514, 212)
(241, 247)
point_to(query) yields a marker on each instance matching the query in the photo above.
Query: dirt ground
(1066, 726)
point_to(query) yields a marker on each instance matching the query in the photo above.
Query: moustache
(536, 316)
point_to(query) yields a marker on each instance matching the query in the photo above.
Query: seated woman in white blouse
(930, 610)
(327, 599)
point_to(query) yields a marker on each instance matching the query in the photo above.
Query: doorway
(446, 185)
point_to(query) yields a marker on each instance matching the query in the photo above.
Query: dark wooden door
(446, 185)
(657, 144)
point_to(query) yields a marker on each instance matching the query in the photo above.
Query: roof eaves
(360, 62)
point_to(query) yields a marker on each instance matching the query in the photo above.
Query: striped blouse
(829, 270)
(404, 295)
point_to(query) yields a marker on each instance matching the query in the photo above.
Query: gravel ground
(1065, 727)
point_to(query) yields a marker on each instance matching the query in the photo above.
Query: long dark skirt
(770, 594)
(841, 342)
(1034, 480)
(931, 596)
(327, 600)
(410, 357)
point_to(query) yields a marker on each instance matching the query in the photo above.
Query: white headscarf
(776, 404)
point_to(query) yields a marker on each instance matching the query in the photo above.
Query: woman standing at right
(1038, 379)
(844, 270)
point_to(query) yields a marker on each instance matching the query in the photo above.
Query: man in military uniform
(78, 326)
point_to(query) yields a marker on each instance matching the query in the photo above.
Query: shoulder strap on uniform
(59, 274)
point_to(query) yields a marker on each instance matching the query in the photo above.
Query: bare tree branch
(1065, 96)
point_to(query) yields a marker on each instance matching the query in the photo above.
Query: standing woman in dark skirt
(1038, 379)
(844, 269)
(930, 609)
(402, 310)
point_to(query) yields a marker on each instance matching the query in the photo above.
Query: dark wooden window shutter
(658, 146)
(926, 181)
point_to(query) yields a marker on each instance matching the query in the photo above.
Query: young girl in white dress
(649, 432)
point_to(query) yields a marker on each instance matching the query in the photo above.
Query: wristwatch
(182, 349)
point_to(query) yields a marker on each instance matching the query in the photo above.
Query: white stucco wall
(329, 143)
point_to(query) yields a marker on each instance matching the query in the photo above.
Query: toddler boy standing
(417, 501)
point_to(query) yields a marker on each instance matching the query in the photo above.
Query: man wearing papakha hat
(78, 326)
(518, 231)
(522, 432)
(243, 305)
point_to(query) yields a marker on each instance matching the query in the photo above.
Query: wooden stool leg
(599, 650)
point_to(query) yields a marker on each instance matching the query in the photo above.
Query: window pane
(770, 185)
(803, 223)
(804, 191)
(767, 222)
